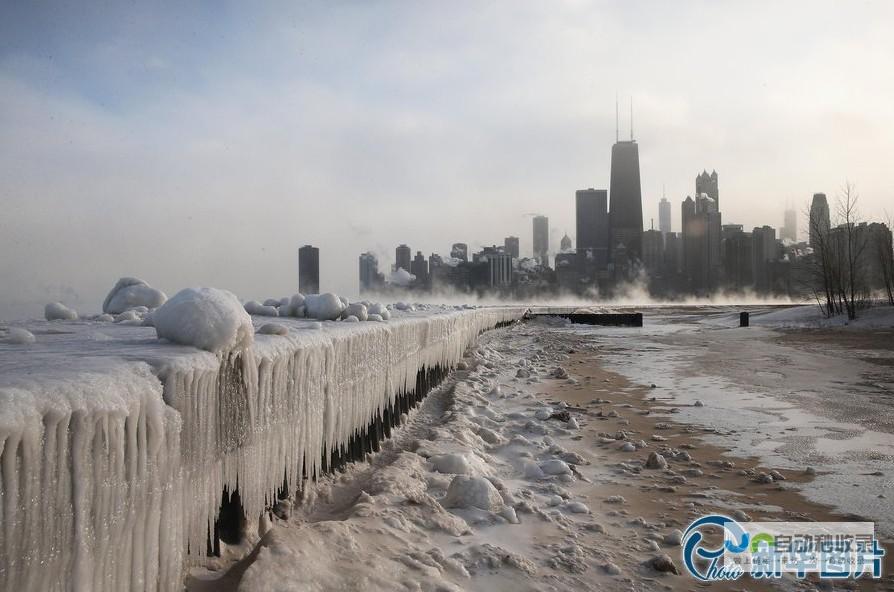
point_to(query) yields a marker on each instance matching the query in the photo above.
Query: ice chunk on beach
(131, 292)
(206, 318)
(19, 336)
(323, 307)
(273, 329)
(473, 492)
(56, 311)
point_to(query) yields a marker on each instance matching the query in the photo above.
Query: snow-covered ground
(116, 445)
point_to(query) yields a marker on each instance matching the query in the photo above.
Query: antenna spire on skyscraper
(617, 117)
(631, 118)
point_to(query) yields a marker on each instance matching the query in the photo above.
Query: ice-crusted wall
(108, 481)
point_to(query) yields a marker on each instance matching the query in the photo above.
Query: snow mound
(323, 307)
(206, 318)
(472, 492)
(254, 307)
(273, 329)
(18, 336)
(131, 292)
(58, 311)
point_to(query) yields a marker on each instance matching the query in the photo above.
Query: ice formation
(113, 461)
(253, 307)
(19, 336)
(130, 293)
(206, 318)
(324, 307)
(56, 311)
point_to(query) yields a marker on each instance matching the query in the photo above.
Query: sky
(201, 144)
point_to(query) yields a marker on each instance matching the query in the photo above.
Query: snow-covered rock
(131, 292)
(254, 307)
(128, 316)
(323, 307)
(457, 464)
(358, 310)
(56, 311)
(19, 336)
(206, 318)
(379, 309)
(472, 492)
(374, 317)
(351, 319)
(273, 329)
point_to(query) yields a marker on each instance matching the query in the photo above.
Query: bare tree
(850, 240)
(823, 264)
(885, 258)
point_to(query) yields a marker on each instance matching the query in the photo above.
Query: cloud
(205, 148)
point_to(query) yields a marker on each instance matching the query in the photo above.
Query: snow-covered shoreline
(116, 447)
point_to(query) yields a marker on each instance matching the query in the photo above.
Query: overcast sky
(203, 145)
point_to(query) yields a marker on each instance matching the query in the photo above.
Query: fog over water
(203, 145)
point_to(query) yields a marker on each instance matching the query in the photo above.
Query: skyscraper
(402, 258)
(707, 184)
(591, 218)
(626, 208)
(309, 270)
(419, 268)
(510, 243)
(369, 272)
(790, 226)
(664, 216)
(541, 240)
(819, 219)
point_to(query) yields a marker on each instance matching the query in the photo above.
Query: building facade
(309, 270)
(541, 240)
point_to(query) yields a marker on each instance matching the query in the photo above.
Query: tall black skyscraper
(626, 208)
(591, 209)
(309, 270)
(819, 219)
(402, 256)
(707, 184)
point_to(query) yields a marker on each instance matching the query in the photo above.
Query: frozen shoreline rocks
(206, 318)
(56, 311)
(130, 293)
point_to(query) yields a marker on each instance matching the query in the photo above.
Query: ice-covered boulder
(356, 309)
(323, 307)
(273, 329)
(472, 492)
(292, 307)
(206, 318)
(350, 319)
(379, 309)
(56, 311)
(132, 292)
(374, 317)
(19, 336)
(274, 302)
(263, 310)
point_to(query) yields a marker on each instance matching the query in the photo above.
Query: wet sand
(674, 499)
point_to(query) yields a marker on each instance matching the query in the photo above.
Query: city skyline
(168, 163)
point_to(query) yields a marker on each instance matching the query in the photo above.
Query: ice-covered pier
(116, 448)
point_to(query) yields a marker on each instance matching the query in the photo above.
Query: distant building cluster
(611, 249)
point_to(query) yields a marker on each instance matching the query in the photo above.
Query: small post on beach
(743, 319)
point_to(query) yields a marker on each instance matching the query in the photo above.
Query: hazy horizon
(202, 146)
